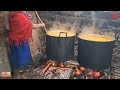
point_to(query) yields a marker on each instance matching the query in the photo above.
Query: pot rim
(59, 33)
(97, 41)
(60, 37)
(112, 38)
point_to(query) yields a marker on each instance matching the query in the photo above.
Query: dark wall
(101, 19)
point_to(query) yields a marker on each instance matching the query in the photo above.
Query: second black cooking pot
(95, 55)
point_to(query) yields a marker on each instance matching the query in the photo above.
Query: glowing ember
(82, 69)
(91, 73)
(54, 64)
(96, 74)
(62, 65)
(77, 71)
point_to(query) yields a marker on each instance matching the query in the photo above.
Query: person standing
(19, 27)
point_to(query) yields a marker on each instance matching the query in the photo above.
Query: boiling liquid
(96, 37)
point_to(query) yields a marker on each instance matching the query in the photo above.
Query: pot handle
(60, 38)
(62, 32)
(117, 36)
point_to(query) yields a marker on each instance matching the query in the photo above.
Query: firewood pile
(51, 71)
(67, 70)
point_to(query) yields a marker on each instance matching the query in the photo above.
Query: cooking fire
(69, 70)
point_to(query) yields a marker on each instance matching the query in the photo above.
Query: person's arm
(41, 25)
(35, 26)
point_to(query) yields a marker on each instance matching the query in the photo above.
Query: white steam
(75, 27)
(64, 27)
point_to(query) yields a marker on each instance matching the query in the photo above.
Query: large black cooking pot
(60, 48)
(95, 55)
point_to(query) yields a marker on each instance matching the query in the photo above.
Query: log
(53, 68)
(46, 68)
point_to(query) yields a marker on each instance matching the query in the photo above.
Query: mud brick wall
(4, 56)
(3, 37)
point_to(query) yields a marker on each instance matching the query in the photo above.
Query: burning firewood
(91, 73)
(47, 67)
(96, 74)
(68, 66)
(53, 68)
(54, 64)
(60, 70)
(76, 71)
(82, 69)
(61, 65)
(48, 72)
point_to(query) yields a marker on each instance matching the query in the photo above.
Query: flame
(54, 64)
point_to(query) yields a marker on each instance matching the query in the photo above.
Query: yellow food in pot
(57, 32)
(96, 37)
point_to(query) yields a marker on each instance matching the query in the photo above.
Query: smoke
(64, 27)
(89, 30)
(93, 18)
(75, 26)
(93, 29)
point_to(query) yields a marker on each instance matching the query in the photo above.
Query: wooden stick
(46, 68)
(40, 19)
